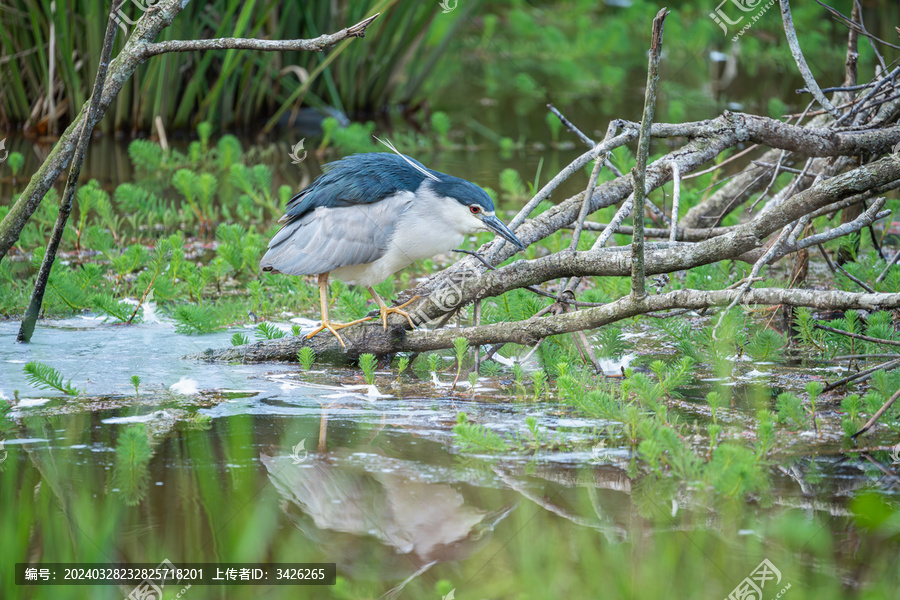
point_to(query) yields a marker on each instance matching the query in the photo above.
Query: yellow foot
(333, 327)
(387, 310)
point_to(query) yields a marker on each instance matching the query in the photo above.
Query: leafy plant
(239, 339)
(790, 410)
(131, 474)
(136, 381)
(402, 364)
(367, 363)
(195, 319)
(268, 331)
(45, 377)
(306, 356)
(766, 345)
(460, 347)
(472, 437)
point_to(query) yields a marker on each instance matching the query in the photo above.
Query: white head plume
(421, 170)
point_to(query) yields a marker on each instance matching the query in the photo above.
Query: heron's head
(474, 211)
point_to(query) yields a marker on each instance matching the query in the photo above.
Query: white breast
(430, 226)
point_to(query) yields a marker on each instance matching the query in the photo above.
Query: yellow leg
(386, 310)
(326, 322)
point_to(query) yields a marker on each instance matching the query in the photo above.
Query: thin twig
(718, 166)
(530, 288)
(877, 415)
(754, 273)
(592, 183)
(857, 335)
(585, 139)
(807, 75)
(862, 375)
(836, 267)
(676, 198)
(883, 274)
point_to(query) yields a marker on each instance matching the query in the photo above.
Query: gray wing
(325, 238)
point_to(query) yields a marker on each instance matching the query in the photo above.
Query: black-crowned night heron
(368, 216)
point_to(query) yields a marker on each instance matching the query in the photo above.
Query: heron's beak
(497, 226)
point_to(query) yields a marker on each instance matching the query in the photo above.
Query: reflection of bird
(380, 517)
(370, 215)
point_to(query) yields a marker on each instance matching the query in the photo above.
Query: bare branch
(856, 335)
(807, 75)
(314, 45)
(639, 172)
(369, 337)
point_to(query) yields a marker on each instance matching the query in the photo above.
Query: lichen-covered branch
(371, 337)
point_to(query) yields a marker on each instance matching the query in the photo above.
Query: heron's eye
(475, 209)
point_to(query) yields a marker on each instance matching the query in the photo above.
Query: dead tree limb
(26, 329)
(638, 174)
(371, 337)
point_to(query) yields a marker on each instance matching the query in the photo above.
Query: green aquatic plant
(766, 346)
(716, 401)
(130, 473)
(473, 381)
(136, 382)
(306, 356)
(460, 348)
(268, 331)
(367, 363)
(239, 339)
(434, 362)
(402, 364)
(15, 161)
(45, 377)
(473, 437)
(512, 186)
(539, 383)
(790, 410)
(195, 319)
(851, 421)
(440, 124)
(814, 389)
(612, 344)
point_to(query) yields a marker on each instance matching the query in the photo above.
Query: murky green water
(306, 467)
